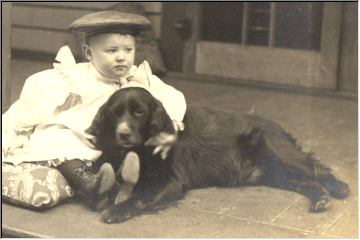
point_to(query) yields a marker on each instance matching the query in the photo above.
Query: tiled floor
(327, 126)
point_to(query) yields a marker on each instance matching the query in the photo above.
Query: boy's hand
(9, 146)
(162, 142)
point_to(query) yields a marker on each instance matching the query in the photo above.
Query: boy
(56, 106)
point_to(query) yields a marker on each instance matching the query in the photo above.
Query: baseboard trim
(316, 92)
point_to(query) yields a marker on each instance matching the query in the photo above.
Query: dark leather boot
(79, 175)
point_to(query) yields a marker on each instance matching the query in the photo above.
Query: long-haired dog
(215, 149)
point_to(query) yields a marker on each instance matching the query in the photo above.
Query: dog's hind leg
(312, 189)
(266, 140)
(337, 189)
(283, 147)
(270, 171)
(305, 164)
(279, 175)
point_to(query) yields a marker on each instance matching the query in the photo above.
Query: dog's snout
(124, 136)
(123, 131)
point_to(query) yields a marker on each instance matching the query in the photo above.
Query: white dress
(56, 106)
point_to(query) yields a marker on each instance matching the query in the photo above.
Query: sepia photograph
(179, 119)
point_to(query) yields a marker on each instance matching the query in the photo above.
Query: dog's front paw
(321, 205)
(115, 214)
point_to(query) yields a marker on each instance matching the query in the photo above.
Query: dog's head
(128, 119)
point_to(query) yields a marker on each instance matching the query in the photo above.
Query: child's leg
(128, 173)
(129, 170)
(81, 177)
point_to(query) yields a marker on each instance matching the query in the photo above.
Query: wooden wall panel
(43, 26)
(43, 17)
(277, 65)
(42, 40)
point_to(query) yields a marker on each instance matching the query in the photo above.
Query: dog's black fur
(215, 149)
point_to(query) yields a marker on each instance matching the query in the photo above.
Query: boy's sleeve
(41, 93)
(172, 99)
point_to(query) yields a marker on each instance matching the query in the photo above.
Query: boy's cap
(110, 22)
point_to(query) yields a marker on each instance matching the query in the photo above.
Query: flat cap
(110, 21)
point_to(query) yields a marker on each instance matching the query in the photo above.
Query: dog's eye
(139, 113)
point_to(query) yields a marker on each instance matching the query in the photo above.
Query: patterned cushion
(34, 186)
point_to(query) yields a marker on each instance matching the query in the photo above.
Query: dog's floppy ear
(99, 125)
(160, 120)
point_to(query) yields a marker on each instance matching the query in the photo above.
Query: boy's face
(112, 54)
